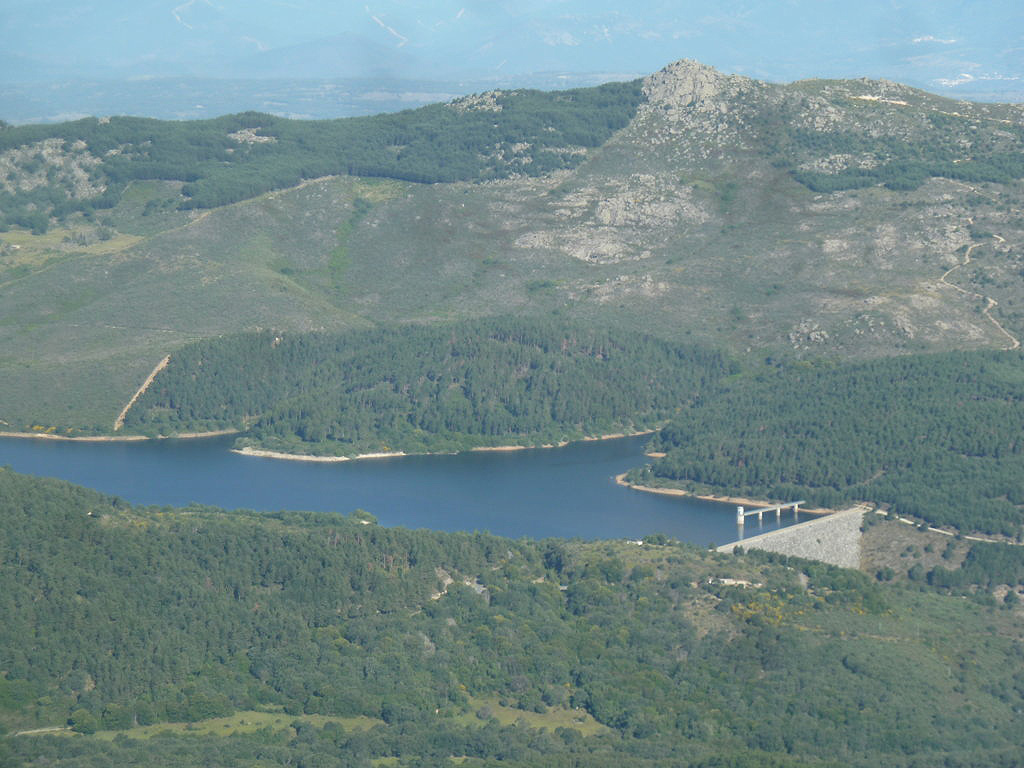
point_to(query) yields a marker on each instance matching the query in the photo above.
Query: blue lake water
(566, 492)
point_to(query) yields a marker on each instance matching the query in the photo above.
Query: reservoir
(565, 492)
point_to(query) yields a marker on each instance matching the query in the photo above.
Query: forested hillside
(939, 437)
(85, 165)
(926, 148)
(415, 388)
(52, 171)
(466, 646)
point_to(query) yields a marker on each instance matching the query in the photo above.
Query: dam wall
(831, 539)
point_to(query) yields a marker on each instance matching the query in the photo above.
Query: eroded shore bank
(308, 457)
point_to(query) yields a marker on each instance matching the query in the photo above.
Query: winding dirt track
(990, 303)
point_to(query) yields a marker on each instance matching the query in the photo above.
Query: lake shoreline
(117, 438)
(267, 454)
(563, 492)
(738, 500)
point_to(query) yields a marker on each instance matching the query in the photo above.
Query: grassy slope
(86, 330)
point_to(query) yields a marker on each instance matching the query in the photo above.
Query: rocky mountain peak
(696, 109)
(690, 85)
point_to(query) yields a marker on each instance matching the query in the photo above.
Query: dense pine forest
(425, 388)
(938, 437)
(350, 643)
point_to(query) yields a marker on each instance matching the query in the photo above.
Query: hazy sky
(970, 49)
(933, 41)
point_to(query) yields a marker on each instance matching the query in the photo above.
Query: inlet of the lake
(565, 492)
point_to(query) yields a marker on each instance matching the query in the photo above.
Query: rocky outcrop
(620, 220)
(697, 108)
(478, 102)
(688, 86)
(50, 161)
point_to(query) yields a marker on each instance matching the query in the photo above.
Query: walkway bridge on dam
(741, 513)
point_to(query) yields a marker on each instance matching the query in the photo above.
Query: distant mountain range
(194, 98)
(945, 47)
